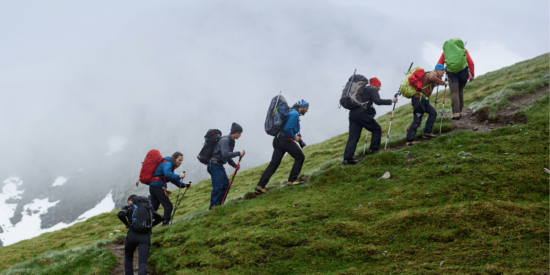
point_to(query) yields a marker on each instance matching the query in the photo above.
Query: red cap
(375, 82)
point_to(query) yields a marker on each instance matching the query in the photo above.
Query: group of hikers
(283, 122)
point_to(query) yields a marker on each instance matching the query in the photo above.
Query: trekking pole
(177, 197)
(391, 119)
(231, 182)
(178, 203)
(365, 146)
(444, 95)
(437, 92)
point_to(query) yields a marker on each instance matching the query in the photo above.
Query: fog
(74, 75)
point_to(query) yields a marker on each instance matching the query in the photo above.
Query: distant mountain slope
(441, 212)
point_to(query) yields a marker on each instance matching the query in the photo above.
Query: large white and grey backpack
(355, 84)
(142, 216)
(277, 115)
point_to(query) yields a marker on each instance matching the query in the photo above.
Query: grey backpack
(355, 84)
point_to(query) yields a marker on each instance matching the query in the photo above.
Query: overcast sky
(74, 74)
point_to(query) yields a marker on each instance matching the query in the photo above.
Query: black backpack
(210, 142)
(348, 99)
(142, 216)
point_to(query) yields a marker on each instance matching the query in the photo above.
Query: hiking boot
(372, 152)
(260, 190)
(410, 143)
(350, 162)
(429, 136)
(456, 116)
(292, 183)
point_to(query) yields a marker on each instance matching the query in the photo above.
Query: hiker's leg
(354, 134)
(155, 203)
(462, 80)
(368, 122)
(417, 118)
(225, 182)
(218, 180)
(143, 250)
(453, 87)
(432, 115)
(129, 248)
(294, 151)
(276, 158)
(167, 205)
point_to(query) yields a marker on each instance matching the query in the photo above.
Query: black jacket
(224, 151)
(370, 95)
(125, 215)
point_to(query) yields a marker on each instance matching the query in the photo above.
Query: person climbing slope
(362, 116)
(421, 104)
(460, 68)
(158, 188)
(223, 154)
(136, 240)
(284, 143)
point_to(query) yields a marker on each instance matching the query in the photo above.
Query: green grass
(90, 259)
(433, 209)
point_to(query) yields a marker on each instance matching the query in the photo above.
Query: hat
(236, 128)
(375, 82)
(439, 67)
(302, 103)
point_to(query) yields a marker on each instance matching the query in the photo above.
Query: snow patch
(29, 226)
(116, 144)
(59, 181)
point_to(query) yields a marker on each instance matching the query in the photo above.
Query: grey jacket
(224, 152)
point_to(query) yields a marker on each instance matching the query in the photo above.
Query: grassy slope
(319, 227)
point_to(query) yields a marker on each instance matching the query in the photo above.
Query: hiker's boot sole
(295, 183)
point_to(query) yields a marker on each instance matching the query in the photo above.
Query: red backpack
(152, 160)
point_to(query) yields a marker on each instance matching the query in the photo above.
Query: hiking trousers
(141, 241)
(282, 145)
(457, 82)
(158, 198)
(220, 183)
(418, 112)
(359, 119)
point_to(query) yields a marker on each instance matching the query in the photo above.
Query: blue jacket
(224, 151)
(166, 171)
(292, 125)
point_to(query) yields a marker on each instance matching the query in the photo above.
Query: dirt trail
(118, 249)
(506, 116)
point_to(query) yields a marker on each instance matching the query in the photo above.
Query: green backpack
(455, 55)
(406, 89)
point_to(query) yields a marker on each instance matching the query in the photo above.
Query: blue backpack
(142, 216)
(277, 115)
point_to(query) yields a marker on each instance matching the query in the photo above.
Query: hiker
(284, 143)
(223, 154)
(134, 239)
(362, 116)
(460, 68)
(158, 188)
(421, 104)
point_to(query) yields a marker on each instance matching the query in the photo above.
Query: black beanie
(236, 128)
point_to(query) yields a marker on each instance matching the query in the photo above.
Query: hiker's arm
(224, 147)
(157, 218)
(122, 215)
(442, 59)
(167, 171)
(375, 96)
(231, 162)
(470, 64)
(432, 77)
(289, 125)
